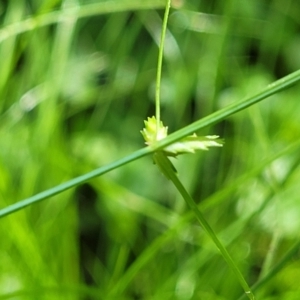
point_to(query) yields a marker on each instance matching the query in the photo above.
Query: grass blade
(213, 118)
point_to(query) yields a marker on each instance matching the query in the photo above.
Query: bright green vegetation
(77, 79)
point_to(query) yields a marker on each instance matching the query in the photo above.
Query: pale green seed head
(188, 144)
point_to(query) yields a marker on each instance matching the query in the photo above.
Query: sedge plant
(159, 143)
(154, 131)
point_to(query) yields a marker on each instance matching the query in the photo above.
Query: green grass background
(77, 79)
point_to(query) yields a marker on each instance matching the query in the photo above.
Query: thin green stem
(150, 251)
(209, 120)
(159, 63)
(72, 183)
(165, 165)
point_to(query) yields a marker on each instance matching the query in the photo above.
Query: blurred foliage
(73, 96)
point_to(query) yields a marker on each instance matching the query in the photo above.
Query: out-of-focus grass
(73, 97)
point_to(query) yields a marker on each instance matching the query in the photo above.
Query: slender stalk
(211, 119)
(151, 251)
(159, 63)
(72, 183)
(165, 165)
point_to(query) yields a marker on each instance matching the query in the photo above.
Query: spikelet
(189, 144)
